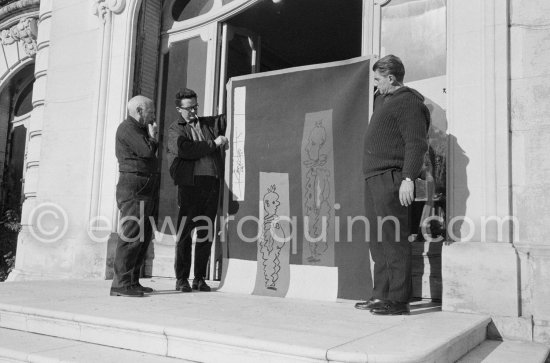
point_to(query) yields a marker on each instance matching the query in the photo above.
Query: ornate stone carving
(9, 8)
(24, 32)
(102, 7)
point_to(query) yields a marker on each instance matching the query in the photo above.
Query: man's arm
(186, 148)
(414, 129)
(217, 123)
(137, 143)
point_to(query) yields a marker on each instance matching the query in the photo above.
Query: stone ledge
(480, 277)
(496, 351)
(233, 327)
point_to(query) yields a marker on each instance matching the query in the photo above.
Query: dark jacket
(182, 151)
(134, 149)
(396, 137)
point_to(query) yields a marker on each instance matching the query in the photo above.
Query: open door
(240, 55)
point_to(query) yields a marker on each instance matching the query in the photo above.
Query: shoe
(183, 286)
(128, 291)
(200, 284)
(392, 308)
(370, 304)
(142, 288)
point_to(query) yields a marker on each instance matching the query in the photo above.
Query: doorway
(15, 113)
(271, 36)
(15, 109)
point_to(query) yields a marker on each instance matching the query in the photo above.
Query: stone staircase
(20, 346)
(76, 321)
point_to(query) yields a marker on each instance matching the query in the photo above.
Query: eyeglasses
(195, 107)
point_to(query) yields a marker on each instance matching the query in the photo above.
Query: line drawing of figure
(317, 206)
(238, 166)
(272, 238)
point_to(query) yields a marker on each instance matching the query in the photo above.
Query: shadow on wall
(431, 202)
(460, 191)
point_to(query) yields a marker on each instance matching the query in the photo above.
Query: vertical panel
(147, 49)
(184, 66)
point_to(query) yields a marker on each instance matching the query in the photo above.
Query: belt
(138, 173)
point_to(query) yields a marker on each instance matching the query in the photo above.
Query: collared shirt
(205, 165)
(134, 149)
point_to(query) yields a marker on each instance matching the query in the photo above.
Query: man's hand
(153, 130)
(221, 140)
(406, 193)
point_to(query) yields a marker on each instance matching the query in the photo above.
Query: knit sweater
(396, 136)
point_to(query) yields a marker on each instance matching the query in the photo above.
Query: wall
(64, 101)
(530, 130)
(481, 264)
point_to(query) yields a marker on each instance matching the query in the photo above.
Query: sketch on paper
(318, 189)
(272, 239)
(274, 234)
(238, 167)
(239, 135)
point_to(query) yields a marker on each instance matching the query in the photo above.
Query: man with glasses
(194, 153)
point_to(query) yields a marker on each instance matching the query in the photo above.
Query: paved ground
(311, 328)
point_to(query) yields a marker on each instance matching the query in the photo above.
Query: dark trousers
(198, 205)
(390, 249)
(137, 200)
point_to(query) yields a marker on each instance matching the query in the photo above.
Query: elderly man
(194, 153)
(395, 144)
(135, 147)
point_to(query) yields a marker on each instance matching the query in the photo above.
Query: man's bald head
(142, 109)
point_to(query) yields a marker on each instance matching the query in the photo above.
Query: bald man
(136, 150)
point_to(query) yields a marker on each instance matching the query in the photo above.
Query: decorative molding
(24, 32)
(11, 9)
(102, 8)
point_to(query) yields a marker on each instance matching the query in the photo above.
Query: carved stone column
(104, 8)
(480, 270)
(35, 38)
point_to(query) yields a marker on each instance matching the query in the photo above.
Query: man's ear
(392, 79)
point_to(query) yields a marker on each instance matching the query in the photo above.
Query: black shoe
(392, 308)
(141, 288)
(371, 303)
(128, 291)
(183, 286)
(200, 284)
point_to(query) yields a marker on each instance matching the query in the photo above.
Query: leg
(189, 207)
(205, 235)
(130, 242)
(149, 206)
(394, 232)
(380, 273)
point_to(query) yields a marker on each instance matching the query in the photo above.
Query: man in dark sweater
(395, 144)
(136, 194)
(194, 153)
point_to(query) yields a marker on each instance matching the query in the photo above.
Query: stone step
(217, 326)
(491, 351)
(19, 346)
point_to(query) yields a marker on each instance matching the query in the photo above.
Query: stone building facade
(68, 67)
